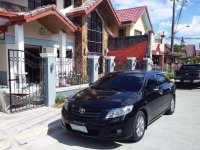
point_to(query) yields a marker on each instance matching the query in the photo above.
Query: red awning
(138, 51)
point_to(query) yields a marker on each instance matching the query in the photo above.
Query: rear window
(190, 67)
(120, 82)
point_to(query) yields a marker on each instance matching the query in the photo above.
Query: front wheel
(172, 107)
(139, 124)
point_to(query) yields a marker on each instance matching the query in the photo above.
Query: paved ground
(19, 128)
(180, 131)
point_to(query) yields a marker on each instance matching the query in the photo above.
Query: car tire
(139, 126)
(172, 107)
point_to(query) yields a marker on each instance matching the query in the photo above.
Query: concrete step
(24, 126)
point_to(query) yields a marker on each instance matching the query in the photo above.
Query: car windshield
(190, 67)
(120, 82)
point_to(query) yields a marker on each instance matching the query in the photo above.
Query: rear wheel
(139, 124)
(172, 107)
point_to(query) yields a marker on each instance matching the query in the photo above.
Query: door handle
(161, 92)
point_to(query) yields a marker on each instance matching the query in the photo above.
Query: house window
(95, 36)
(137, 32)
(67, 3)
(94, 33)
(58, 53)
(69, 53)
(32, 4)
(122, 32)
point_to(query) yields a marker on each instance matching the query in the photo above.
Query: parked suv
(188, 74)
(120, 105)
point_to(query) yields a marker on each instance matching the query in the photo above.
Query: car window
(152, 81)
(120, 82)
(161, 79)
(190, 67)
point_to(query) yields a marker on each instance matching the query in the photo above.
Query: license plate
(79, 128)
(186, 80)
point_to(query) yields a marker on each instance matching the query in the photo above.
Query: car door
(152, 97)
(165, 92)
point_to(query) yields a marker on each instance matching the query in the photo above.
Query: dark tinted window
(190, 67)
(161, 79)
(68, 53)
(122, 32)
(152, 81)
(67, 3)
(32, 4)
(120, 82)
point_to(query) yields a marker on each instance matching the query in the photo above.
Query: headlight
(117, 112)
(66, 104)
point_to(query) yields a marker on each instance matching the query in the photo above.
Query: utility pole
(173, 23)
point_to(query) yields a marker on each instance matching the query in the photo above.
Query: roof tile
(130, 15)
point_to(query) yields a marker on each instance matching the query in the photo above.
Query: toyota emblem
(81, 110)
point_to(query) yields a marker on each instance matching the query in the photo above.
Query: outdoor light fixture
(42, 31)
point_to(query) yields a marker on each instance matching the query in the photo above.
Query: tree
(178, 48)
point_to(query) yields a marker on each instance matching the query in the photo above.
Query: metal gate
(26, 80)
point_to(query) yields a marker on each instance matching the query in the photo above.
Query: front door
(32, 55)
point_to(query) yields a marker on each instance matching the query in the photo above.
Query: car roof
(144, 72)
(191, 64)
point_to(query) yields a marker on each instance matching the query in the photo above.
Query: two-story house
(136, 22)
(75, 27)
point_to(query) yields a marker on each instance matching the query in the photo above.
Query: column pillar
(62, 44)
(110, 64)
(93, 64)
(19, 45)
(147, 63)
(49, 78)
(19, 37)
(131, 63)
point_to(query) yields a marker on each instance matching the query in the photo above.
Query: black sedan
(120, 105)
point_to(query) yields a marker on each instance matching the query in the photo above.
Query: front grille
(87, 114)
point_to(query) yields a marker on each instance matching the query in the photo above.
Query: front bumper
(106, 131)
(185, 80)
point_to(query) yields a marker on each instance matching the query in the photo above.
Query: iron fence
(26, 80)
(71, 72)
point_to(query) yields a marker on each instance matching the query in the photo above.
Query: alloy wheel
(140, 126)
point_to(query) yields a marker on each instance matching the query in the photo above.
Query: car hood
(101, 98)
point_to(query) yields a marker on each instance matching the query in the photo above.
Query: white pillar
(19, 37)
(19, 42)
(59, 4)
(62, 43)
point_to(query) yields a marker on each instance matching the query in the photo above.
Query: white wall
(138, 26)
(3, 58)
(31, 30)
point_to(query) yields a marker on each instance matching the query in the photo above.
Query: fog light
(119, 131)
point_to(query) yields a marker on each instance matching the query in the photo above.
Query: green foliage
(60, 99)
(169, 75)
(195, 60)
(177, 48)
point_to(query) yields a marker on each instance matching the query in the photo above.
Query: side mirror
(90, 84)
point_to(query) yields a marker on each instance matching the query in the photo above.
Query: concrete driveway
(180, 131)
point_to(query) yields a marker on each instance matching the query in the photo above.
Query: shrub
(60, 99)
(169, 75)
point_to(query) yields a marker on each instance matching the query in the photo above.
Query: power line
(180, 13)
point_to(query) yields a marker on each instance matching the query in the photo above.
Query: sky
(161, 17)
